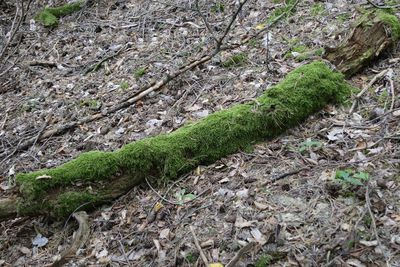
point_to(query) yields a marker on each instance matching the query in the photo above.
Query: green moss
(392, 21)
(92, 104)
(318, 9)
(281, 10)
(124, 85)
(304, 91)
(343, 17)
(218, 7)
(264, 261)
(68, 202)
(302, 53)
(49, 16)
(139, 72)
(235, 60)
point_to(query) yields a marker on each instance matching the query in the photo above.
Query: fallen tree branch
(104, 176)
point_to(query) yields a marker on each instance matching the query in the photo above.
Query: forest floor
(326, 193)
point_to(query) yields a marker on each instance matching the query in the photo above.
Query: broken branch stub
(104, 176)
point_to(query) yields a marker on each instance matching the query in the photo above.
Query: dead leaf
(44, 176)
(242, 223)
(260, 206)
(164, 234)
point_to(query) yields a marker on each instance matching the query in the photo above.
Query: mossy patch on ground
(303, 92)
(50, 15)
(235, 60)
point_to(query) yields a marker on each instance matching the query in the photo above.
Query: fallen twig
(382, 7)
(80, 238)
(240, 253)
(196, 242)
(373, 224)
(360, 94)
(284, 175)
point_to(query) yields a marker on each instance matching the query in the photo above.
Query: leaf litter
(308, 218)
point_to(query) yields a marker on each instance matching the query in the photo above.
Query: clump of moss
(304, 91)
(391, 21)
(139, 72)
(49, 16)
(235, 60)
(288, 5)
(263, 261)
(318, 9)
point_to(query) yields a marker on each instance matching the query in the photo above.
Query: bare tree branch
(206, 22)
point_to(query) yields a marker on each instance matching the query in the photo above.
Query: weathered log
(98, 177)
(373, 34)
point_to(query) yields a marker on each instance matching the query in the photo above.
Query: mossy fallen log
(373, 34)
(98, 177)
(50, 15)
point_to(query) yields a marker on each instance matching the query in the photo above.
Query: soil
(323, 194)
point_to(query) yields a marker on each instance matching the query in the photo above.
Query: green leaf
(352, 180)
(361, 176)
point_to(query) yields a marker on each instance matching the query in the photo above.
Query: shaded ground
(306, 218)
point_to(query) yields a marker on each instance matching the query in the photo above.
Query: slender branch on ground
(228, 28)
(382, 7)
(79, 239)
(206, 22)
(196, 242)
(373, 224)
(360, 94)
(19, 17)
(240, 253)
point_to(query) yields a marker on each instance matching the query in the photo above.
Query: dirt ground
(326, 193)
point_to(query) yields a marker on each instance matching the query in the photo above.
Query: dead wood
(372, 35)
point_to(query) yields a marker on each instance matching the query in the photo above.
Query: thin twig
(228, 28)
(382, 7)
(196, 242)
(360, 94)
(389, 76)
(240, 253)
(206, 22)
(160, 196)
(373, 223)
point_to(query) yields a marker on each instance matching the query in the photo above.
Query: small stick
(390, 78)
(240, 253)
(80, 238)
(360, 94)
(205, 22)
(373, 223)
(284, 175)
(196, 242)
(382, 7)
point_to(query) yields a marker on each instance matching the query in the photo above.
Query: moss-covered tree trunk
(372, 35)
(98, 177)
(103, 176)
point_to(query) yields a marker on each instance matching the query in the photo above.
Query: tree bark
(372, 35)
